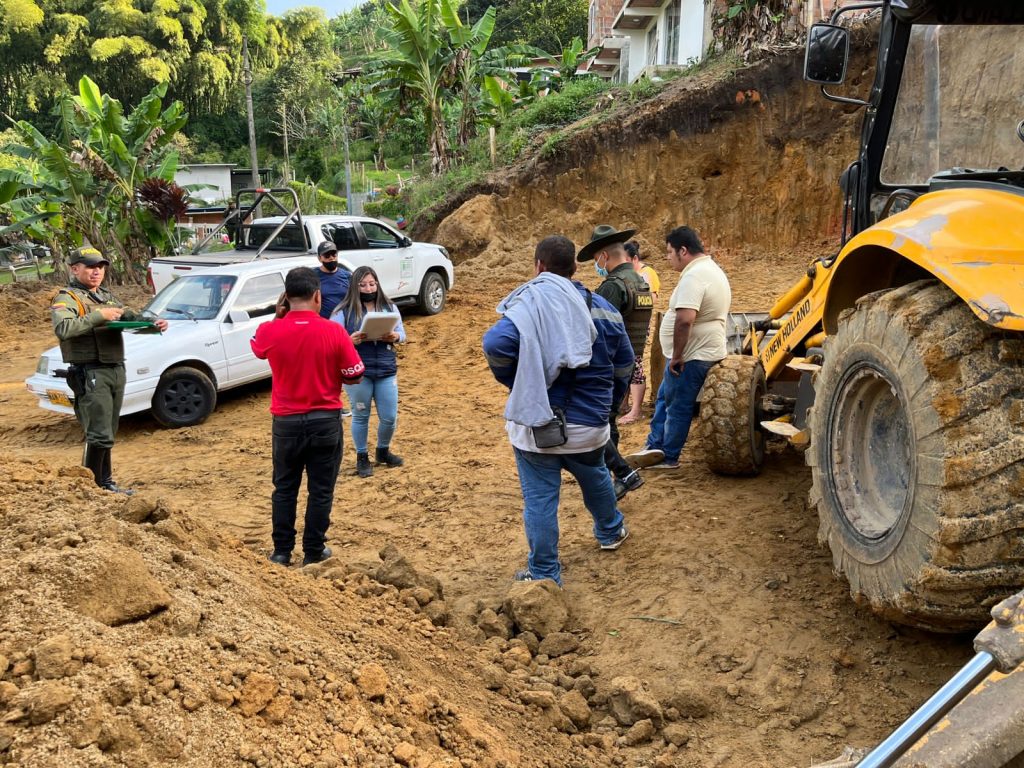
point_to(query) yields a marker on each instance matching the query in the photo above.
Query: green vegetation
(108, 178)
(406, 89)
(312, 199)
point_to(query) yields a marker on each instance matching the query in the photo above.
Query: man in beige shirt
(692, 336)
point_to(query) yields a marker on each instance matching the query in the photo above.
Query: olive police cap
(88, 256)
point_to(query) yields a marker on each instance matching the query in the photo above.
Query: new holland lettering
(794, 320)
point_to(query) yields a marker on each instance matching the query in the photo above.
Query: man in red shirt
(310, 358)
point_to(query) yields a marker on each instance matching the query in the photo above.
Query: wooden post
(493, 143)
(657, 360)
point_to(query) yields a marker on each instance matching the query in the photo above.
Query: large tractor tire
(916, 448)
(730, 416)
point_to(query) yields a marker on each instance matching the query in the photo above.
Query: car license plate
(58, 398)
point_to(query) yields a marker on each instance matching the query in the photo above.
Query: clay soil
(722, 586)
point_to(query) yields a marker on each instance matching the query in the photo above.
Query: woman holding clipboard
(375, 326)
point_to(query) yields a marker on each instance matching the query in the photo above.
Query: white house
(216, 175)
(641, 36)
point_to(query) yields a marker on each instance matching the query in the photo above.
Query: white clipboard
(376, 325)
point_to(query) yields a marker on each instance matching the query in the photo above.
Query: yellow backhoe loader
(975, 720)
(897, 364)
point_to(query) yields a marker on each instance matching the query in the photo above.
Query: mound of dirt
(133, 634)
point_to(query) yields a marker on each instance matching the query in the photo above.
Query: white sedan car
(212, 315)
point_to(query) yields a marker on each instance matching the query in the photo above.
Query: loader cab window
(958, 105)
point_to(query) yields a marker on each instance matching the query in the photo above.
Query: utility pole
(284, 130)
(348, 174)
(247, 79)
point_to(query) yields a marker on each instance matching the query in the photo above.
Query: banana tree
(106, 178)
(418, 64)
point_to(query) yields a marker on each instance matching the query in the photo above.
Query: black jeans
(612, 458)
(309, 442)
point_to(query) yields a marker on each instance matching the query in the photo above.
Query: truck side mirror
(828, 51)
(237, 316)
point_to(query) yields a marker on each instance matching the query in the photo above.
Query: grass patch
(26, 274)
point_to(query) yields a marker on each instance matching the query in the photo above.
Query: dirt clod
(537, 606)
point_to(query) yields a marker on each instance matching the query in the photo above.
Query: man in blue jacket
(562, 352)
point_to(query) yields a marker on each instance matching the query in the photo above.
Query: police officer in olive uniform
(95, 353)
(627, 291)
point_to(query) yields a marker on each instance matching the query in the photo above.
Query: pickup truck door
(258, 297)
(394, 264)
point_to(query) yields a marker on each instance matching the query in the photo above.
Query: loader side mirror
(828, 51)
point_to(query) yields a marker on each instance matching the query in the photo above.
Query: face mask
(601, 271)
(330, 266)
(367, 297)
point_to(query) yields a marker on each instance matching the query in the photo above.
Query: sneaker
(630, 482)
(523, 575)
(110, 485)
(310, 559)
(623, 535)
(645, 458)
(345, 412)
(665, 465)
(280, 558)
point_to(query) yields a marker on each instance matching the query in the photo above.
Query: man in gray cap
(81, 314)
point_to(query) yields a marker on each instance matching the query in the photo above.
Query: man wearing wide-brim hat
(629, 293)
(81, 313)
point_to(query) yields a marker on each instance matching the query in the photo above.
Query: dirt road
(721, 588)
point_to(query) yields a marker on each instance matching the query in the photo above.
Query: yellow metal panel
(970, 239)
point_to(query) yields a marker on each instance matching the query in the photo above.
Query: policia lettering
(635, 307)
(95, 355)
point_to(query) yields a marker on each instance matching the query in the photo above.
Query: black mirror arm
(844, 99)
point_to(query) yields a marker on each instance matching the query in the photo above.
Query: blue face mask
(601, 271)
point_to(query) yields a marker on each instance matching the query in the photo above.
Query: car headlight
(43, 366)
(444, 252)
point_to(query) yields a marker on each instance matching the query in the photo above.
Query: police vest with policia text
(637, 312)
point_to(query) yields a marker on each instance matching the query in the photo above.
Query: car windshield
(959, 104)
(197, 297)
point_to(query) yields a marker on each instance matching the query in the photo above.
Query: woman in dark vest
(380, 382)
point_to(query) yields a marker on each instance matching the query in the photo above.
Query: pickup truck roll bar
(240, 214)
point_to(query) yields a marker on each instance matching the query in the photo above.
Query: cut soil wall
(746, 158)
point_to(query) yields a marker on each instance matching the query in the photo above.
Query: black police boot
(107, 483)
(363, 466)
(387, 458)
(93, 460)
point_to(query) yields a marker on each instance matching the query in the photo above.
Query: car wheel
(184, 397)
(432, 294)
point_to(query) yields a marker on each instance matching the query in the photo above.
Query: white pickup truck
(212, 315)
(418, 274)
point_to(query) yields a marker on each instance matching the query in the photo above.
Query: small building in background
(643, 38)
(216, 177)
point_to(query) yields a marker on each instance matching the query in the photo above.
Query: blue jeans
(673, 411)
(540, 476)
(385, 393)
